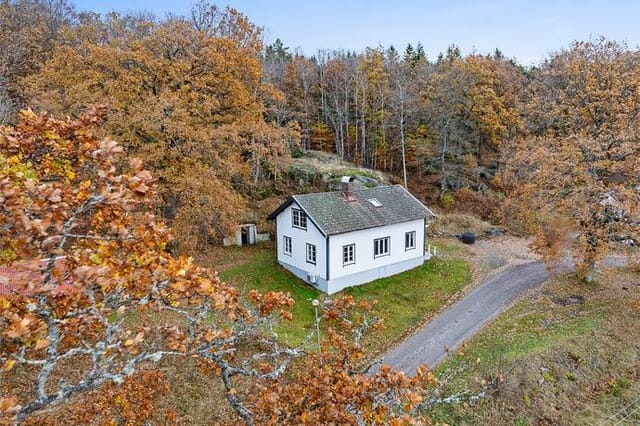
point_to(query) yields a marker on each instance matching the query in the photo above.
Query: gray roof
(333, 214)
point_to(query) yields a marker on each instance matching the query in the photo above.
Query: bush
(477, 203)
(457, 224)
(448, 200)
(297, 152)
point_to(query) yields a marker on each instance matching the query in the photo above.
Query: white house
(340, 239)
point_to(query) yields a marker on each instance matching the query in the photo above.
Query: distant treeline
(217, 115)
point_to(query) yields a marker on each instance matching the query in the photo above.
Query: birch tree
(404, 100)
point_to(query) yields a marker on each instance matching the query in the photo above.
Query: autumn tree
(184, 95)
(338, 75)
(579, 166)
(275, 63)
(471, 103)
(82, 256)
(403, 114)
(374, 109)
(301, 86)
(406, 80)
(329, 389)
(29, 31)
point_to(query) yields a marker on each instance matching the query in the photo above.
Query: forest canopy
(217, 114)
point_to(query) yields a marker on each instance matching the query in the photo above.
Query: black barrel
(468, 237)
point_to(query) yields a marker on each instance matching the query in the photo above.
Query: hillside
(312, 171)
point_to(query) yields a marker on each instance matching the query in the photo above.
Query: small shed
(247, 234)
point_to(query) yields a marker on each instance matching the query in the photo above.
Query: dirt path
(460, 321)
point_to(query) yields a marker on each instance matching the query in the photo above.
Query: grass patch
(549, 361)
(526, 334)
(358, 172)
(262, 272)
(404, 300)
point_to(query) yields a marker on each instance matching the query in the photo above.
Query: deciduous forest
(130, 143)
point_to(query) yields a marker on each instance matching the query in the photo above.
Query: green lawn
(262, 272)
(404, 300)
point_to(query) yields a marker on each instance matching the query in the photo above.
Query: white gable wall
(367, 268)
(297, 261)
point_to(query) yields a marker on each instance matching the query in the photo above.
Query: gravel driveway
(460, 321)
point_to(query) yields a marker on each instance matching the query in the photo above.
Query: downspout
(424, 237)
(326, 255)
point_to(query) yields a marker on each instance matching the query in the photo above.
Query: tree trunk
(444, 149)
(404, 149)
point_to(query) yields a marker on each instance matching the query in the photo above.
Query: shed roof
(333, 214)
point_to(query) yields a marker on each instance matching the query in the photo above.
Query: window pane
(299, 219)
(348, 254)
(311, 253)
(287, 245)
(410, 240)
(381, 246)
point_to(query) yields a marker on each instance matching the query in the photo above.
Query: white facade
(299, 240)
(334, 269)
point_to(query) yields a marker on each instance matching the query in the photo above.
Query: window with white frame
(299, 219)
(410, 240)
(311, 253)
(348, 254)
(381, 246)
(286, 247)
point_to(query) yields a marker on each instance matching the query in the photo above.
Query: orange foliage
(67, 199)
(329, 390)
(183, 96)
(131, 402)
(62, 198)
(575, 177)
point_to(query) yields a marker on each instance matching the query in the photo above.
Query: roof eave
(280, 209)
(419, 202)
(286, 204)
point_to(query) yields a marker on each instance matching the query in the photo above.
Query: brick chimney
(346, 188)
